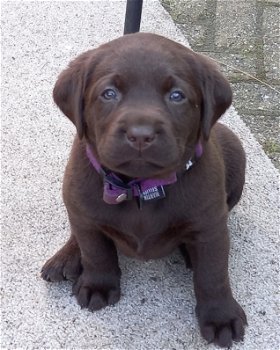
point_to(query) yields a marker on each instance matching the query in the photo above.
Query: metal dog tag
(156, 192)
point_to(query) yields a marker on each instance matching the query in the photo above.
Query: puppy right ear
(68, 92)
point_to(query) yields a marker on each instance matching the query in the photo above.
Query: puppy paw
(221, 323)
(64, 265)
(96, 293)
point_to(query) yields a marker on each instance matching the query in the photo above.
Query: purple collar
(117, 191)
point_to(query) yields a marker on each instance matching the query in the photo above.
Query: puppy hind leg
(233, 198)
(186, 256)
(234, 161)
(65, 264)
(235, 179)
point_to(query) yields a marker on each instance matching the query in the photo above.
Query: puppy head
(142, 102)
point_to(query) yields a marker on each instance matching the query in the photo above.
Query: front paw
(95, 291)
(221, 322)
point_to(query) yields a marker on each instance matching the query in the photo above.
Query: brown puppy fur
(142, 103)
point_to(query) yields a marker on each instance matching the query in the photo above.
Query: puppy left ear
(69, 89)
(216, 96)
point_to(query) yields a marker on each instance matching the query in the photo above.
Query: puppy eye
(176, 96)
(109, 94)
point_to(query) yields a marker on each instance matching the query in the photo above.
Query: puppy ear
(68, 92)
(216, 96)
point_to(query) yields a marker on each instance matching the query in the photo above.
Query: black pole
(132, 16)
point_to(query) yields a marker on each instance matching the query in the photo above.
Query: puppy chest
(144, 242)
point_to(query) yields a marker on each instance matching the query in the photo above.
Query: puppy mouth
(141, 168)
(154, 162)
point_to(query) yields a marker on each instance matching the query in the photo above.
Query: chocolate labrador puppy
(150, 170)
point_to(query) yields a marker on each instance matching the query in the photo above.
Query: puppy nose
(140, 137)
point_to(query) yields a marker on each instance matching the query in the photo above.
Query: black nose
(141, 136)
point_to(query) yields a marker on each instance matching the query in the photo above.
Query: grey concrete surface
(244, 36)
(156, 310)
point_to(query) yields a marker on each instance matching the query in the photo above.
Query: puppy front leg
(220, 317)
(99, 283)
